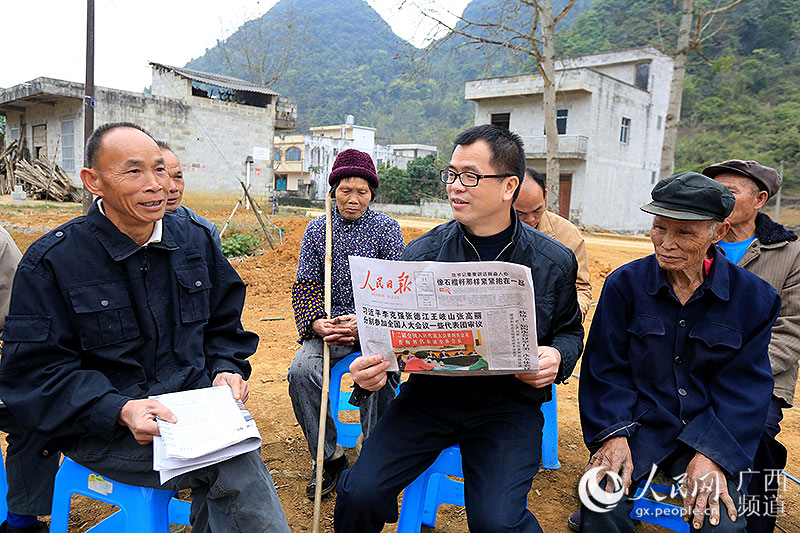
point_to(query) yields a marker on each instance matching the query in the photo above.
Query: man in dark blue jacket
(123, 304)
(676, 375)
(496, 420)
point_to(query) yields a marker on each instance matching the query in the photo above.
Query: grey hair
(712, 227)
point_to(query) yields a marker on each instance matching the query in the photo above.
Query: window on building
(277, 155)
(642, 75)
(280, 181)
(13, 134)
(502, 120)
(653, 178)
(68, 145)
(293, 154)
(335, 152)
(561, 122)
(625, 130)
(315, 159)
(658, 122)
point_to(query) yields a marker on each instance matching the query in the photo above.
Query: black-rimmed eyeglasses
(468, 179)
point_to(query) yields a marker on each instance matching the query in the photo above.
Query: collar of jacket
(770, 232)
(546, 225)
(717, 280)
(118, 245)
(461, 232)
(337, 218)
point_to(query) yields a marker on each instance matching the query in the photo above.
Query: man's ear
(510, 185)
(721, 231)
(91, 181)
(761, 199)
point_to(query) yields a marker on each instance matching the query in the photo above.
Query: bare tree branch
(563, 12)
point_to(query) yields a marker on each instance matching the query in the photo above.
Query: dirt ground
(268, 312)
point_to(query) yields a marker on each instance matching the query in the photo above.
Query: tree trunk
(676, 90)
(547, 69)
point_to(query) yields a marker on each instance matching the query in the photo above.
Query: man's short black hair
(164, 146)
(508, 152)
(93, 144)
(538, 178)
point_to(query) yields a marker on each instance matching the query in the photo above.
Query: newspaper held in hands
(454, 318)
(212, 427)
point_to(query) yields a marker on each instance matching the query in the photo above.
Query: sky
(48, 37)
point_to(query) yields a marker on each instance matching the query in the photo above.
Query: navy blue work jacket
(97, 320)
(662, 373)
(553, 269)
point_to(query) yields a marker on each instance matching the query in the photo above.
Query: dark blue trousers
(499, 429)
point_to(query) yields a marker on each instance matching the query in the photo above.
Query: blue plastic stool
(346, 432)
(550, 432)
(422, 498)
(658, 513)
(3, 490)
(142, 509)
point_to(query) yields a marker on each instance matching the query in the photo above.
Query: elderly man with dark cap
(772, 252)
(675, 374)
(357, 230)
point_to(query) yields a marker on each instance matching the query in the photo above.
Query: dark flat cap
(690, 196)
(766, 178)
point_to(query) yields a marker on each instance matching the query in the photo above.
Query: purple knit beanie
(353, 164)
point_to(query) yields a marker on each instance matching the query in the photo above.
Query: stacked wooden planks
(41, 179)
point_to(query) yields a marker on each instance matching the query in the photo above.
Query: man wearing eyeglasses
(496, 420)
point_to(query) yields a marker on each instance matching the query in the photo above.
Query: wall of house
(52, 116)
(211, 138)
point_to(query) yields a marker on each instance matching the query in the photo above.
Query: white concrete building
(404, 153)
(303, 162)
(212, 122)
(611, 109)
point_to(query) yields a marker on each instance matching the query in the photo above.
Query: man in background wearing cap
(772, 252)
(530, 208)
(357, 230)
(675, 374)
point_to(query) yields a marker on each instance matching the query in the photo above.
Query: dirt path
(269, 278)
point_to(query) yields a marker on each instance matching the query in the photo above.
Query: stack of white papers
(212, 427)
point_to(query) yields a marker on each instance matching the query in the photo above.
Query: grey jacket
(9, 259)
(774, 255)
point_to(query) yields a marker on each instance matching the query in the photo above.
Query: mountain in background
(346, 60)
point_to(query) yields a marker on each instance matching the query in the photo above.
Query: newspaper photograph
(454, 318)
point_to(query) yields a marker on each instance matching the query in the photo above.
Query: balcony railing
(569, 146)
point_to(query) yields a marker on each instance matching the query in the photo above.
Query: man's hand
(613, 456)
(369, 372)
(237, 384)
(140, 417)
(705, 484)
(338, 331)
(549, 362)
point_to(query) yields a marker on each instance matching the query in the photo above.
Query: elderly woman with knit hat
(359, 231)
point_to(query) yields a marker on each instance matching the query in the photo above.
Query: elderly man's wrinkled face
(131, 177)
(353, 197)
(748, 198)
(530, 203)
(176, 184)
(681, 245)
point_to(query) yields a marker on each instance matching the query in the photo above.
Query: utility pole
(88, 99)
(778, 197)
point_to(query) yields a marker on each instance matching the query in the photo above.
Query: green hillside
(746, 105)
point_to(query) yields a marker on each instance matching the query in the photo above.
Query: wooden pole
(326, 367)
